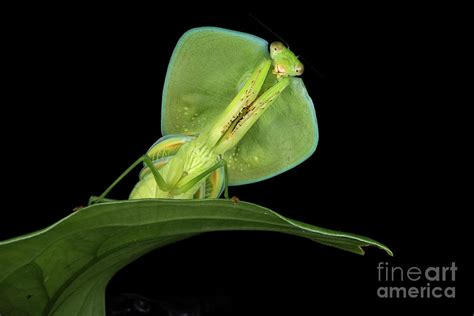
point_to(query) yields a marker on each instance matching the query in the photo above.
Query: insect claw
(77, 208)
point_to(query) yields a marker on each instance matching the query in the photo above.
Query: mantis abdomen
(163, 153)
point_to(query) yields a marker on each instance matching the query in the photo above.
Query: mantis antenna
(304, 60)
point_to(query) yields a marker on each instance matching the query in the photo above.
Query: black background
(82, 102)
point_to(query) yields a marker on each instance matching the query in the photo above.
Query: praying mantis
(233, 112)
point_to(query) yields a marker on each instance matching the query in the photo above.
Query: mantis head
(285, 63)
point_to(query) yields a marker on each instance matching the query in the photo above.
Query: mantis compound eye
(276, 47)
(299, 69)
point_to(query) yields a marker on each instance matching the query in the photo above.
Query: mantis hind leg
(214, 185)
(221, 167)
(143, 159)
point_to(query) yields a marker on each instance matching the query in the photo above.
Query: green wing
(208, 67)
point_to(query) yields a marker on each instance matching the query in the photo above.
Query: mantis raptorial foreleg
(249, 115)
(244, 98)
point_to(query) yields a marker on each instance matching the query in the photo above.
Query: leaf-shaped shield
(207, 69)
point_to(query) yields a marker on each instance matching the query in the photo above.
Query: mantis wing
(207, 69)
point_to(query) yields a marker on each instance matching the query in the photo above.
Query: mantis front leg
(250, 115)
(245, 97)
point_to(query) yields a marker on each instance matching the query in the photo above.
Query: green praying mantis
(233, 112)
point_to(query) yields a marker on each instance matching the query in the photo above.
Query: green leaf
(64, 269)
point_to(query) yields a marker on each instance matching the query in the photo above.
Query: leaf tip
(378, 245)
